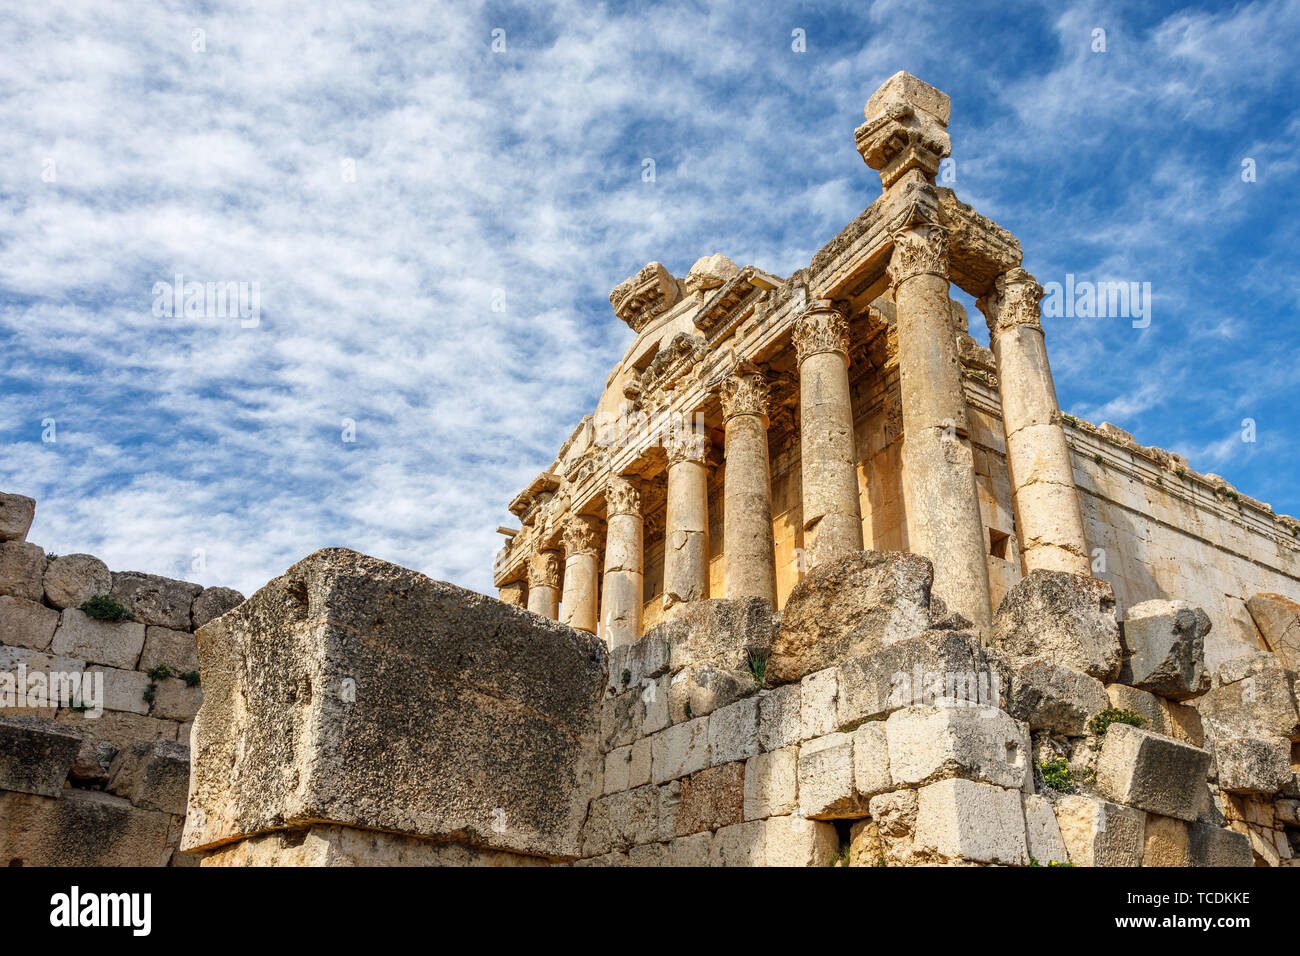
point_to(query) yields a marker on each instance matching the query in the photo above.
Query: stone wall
(90, 779)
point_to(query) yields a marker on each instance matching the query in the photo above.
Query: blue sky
(450, 299)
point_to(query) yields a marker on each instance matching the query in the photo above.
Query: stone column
(1046, 503)
(544, 583)
(832, 514)
(943, 512)
(515, 593)
(686, 530)
(748, 549)
(624, 563)
(581, 573)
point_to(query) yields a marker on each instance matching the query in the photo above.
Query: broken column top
(906, 129)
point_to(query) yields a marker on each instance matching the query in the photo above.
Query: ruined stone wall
(94, 781)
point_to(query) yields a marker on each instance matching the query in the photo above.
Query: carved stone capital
(822, 328)
(640, 298)
(906, 129)
(687, 444)
(1013, 302)
(745, 392)
(544, 569)
(920, 248)
(622, 496)
(581, 535)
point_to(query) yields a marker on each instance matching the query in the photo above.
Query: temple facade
(759, 426)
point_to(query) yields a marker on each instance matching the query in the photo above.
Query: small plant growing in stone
(686, 709)
(150, 693)
(1056, 774)
(191, 678)
(51, 556)
(758, 668)
(841, 858)
(627, 676)
(1097, 457)
(1114, 715)
(1180, 471)
(161, 672)
(104, 608)
(1232, 494)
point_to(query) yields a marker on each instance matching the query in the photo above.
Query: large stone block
(711, 799)
(82, 828)
(724, 633)
(37, 683)
(1042, 832)
(1055, 698)
(1252, 765)
(16, 514)
(1063, 619)
(345, 846)
(1097, 832)
(965, 820)
(152, 599)
(26, 623)
(794, 841)
(700, 688)
(175, 650)
(680, 750)
(1278, 620)
(1164, 649)
(1210, 845)
(780, 719)
(353, 691)
(733, 731)
(21, 566)
(111, 643)
(104, 736)
(871, 773)
(772, 784)
(1164, 841)
(36, 754)
(826, 784)
(211, 603)
(1153, 773)
(72, 579)
(861, 603)
(933, 743)
(153, 775)
(1252, 698)
(741, 844)
(1180, 721)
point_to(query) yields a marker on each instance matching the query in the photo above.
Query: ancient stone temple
(821, 581)
(760, 426)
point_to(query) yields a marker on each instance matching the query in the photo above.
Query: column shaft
(686, 532)
(544, 583)
(939, 490)
(624, 563)
(581, 573)
(832, 513)
(749, 557)
(1044, 498)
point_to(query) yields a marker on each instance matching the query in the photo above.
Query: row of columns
(939, 485)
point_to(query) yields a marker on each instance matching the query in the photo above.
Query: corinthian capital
(687, 444)
(581, 535)
(822, 328)
(1013, 302)
(622, 496)
(920, 248)
(745, 392)
(544, 569)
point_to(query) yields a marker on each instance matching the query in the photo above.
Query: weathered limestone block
(1165, 841)
(378, 703)
(104, 736)
(681, 749)
(36, 754)
(649, 854)
(780, 717)
(1252, 698)
(1210, 845)
(865, 848)
(934, 743)
(344, 846)
(895, 816)
(1180, 721)
(694, 850)
(1252, 764)
(22, 565)
(871, 773)
(1099, 833)
(1278, 620)
(152, 599)
(709, 272)
(858, 604)
(720, 632)
(818, 705)
(632, 665)
(1058, 699)
(211, 603)
(124, 690)
(741, 844)
(175, 700)
(1063, 619)
(111, 643)
(699, 689)
(936, 667)
(964, 820)
(26, 623)
(826, 783)
(16, 514)
(82, 828)
(175, 650)
(1153, 773)
(711, 799)
(1042, 833)
(733, 731)
(794, 841)
(622, 719)
(72, 579)
(1164, 649)
(153, 775)
(772, 784)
